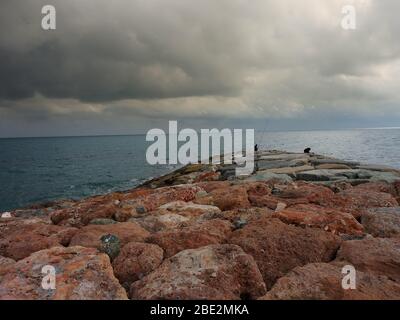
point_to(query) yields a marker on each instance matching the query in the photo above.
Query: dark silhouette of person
(307, 150)
(256, 147)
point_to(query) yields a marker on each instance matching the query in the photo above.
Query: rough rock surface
(211, 272)
(323, 281)
(81, 274)
(193, 236)
(90, 236)
(380, 256)
(278, 248)
(135, 261)
(20, 238)
(331, 220)
(202, 232)
(382, 222)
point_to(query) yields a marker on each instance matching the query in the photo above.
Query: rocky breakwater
(284, 232)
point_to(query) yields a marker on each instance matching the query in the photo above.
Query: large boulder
(21, 237)
(81, 274)
(211, 272)
(193, 236)
(135, 261)
(382, 222)
(335, 221)
(230, 198)
(90, 236)
(278, 247)
(323, 281)
(357, 200)
(380, 256)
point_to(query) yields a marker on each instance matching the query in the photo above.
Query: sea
(37, 170)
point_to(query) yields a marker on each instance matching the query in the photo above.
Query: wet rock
(382, 222)
(135, 261)
(192, 236)
(211, 272)
(102, 221)
(278, 247)
(110, 245)
(328, 219)
(81, 274)
(20, 238)
(323, 281)
(90, 236)
(380, 256)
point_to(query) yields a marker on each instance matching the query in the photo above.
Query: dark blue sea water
(36, 170)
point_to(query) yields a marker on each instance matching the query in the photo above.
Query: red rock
(208, 176)
(81, 274)
(304, 193)
(278, 247)
(187, 209)
(211, 272)
(213, 185)
(20, 238)
(379, 186)
(89, 236)
(135, 261)
(356, 201)
(330, 220)
(234, 197)
(156, 222)
(247, 215)
(380, 256)
(191, 237)
(82, 213)
(323, 281)
(382, 222)
(6, 265)
(168, 194)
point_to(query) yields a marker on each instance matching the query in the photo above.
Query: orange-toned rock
(165, 195)
(378, 186)
(278, 247)
(6, 265)
(187, 209)
(234, 197)
(135, 261)
(193, 236)
(380, 256)
(208, 176)
(89, 236)
(20, 238)
(328, 219)
(82, 213)
(211, 272)
(156, 222)
(323, 281)
(382, 222)
(81, 274)
(213, 185)
(357, 200)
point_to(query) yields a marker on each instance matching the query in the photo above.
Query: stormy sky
(125, 66)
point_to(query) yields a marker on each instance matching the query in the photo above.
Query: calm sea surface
(35, 170)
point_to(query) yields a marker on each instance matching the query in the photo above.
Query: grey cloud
(210, 60)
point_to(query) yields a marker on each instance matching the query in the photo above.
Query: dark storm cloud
(111, 62)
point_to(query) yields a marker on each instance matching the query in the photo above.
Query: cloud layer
(127, 65)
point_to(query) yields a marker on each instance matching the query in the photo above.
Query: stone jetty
(287, 231)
